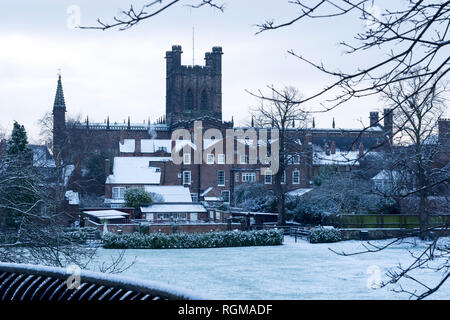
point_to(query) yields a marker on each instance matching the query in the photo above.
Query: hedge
(325, 235)
(193, 240)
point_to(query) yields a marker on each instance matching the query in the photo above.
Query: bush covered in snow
(78, 235)
(255, 197)
(325, 235)
(193, 240)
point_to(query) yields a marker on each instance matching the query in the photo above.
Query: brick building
(193, 94)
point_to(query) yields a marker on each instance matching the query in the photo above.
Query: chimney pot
(361, 149)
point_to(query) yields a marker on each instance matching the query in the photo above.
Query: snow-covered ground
(292, 271)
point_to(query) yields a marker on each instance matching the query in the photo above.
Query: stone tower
(59, 119)
(193, 91)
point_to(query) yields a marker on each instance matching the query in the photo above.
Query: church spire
(59, 97)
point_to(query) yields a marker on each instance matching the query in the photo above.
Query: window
(194, 197)
(187, 158)
(296, 177)
(221, 159)
(283, 177)
(162, 149)
(236, 177)
(204, 100)
(248, 176)
(118, 192)
(163, 216)
(268, 177)
(220, 178)
(296, 159)
(158, 170)
(244, 159)
(186, 177)
(179, 216)
(210, 158)
(189, 100)
(226, 196)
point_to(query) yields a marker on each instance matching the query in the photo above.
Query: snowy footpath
(292, 271)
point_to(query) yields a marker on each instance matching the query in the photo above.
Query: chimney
(121, 137)
(373, 119)
(137, 146)
(327, 151)
(308, 137)
(361, 149)
(107, 168)
(444, 131)
(333, 147)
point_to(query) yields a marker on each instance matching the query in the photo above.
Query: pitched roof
(135, 170)
(339, 158)
(171, 193)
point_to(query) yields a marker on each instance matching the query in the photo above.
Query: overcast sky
(122, 73)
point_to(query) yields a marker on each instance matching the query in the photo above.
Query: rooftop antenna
(193, 46)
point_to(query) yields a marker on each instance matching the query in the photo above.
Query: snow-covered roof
(107, 214)
(135, 170)
(42, 157)
(206, 191)
(386, 175)
(299, 191)
(128, 146)
(171, 193)
(338, 158)
(210, 142)
(153, 145)
(431, 140)
(375, 128)
(72, 197)
(179, 144)
(213, 199)
(173, 207)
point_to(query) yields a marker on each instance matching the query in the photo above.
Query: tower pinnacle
(59, 97)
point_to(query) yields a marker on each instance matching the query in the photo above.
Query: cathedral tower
(193, 91)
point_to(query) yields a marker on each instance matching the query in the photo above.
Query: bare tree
(33, 218)
(131, 17)
(283, 113)
(419, 109)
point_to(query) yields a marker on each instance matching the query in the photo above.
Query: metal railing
(32, 282)
(296, 232)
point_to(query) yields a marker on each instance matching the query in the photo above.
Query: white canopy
(107, 214)
(173, 208)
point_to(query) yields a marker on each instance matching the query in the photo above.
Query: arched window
(204, 100)
(189, 100)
